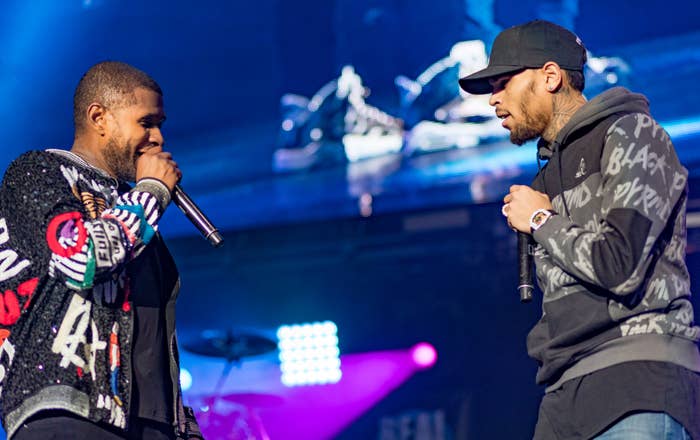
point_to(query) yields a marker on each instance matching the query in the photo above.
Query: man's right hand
(158, 164)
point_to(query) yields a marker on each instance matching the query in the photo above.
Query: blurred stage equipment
(309, 353)
(229, 346)
(438, 114)
(228, 418)
(337, 126)
(254, 400)
(602, 73)
(415, 425)
(232, 416)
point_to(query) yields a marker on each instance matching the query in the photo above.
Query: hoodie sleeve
(61, 218)
(642, 180)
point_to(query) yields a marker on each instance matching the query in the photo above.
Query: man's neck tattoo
(565, 104)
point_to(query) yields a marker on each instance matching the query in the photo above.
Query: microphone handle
(526, 284)
(197, 217)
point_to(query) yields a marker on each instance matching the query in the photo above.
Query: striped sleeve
(68, 222)
(87, 251)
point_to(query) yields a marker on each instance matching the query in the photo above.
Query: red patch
(52, 230)
(126, 306)
(4, 333)
(80, 372)
(27, 289)
(9, 308)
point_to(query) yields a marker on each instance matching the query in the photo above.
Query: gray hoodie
(611, 264)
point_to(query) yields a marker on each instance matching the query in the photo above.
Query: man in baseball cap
(616, 346)
(529, 45)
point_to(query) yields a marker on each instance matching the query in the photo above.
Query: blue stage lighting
(681, 128)
(309, 353)
(185, 379)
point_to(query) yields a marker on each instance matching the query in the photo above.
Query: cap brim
(478, 82)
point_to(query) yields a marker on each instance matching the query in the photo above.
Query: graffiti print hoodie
(611, 263)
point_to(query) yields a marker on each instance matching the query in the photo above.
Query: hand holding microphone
(158, 164)
(518, 207)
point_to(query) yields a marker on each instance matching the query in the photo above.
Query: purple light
(423, 355)
(257, 398)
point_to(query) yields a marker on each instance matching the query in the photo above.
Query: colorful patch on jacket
(115, 362)
(72, 254)
(76, 327)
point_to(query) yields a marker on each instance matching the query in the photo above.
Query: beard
(535, 120)
(120, 160)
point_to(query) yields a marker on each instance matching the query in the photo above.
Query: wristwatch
(540, 217)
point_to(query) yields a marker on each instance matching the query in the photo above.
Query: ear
(553, 76)
(97, 118)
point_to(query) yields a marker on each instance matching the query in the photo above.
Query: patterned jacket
(611, 264)
(67, 232)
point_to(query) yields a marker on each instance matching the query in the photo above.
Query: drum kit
(232, 416)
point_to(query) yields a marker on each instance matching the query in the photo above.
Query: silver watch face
(534, 224)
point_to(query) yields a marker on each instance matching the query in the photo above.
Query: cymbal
(229, 346)
(254, 400)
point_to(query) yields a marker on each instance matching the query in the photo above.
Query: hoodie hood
(617, 99)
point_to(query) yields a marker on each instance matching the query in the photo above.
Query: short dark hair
(576, 79)
(110, 83)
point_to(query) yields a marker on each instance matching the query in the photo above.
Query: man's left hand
(519, 205)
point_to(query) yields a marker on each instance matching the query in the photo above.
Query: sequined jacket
(67, 231)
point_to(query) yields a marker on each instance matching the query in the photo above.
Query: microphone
(525, 282)
(188, 207)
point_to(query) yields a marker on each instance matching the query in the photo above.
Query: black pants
(62, 425)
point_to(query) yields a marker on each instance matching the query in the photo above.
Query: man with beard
(616, 344)
(89, 287)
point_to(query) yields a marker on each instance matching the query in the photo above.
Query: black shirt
(586, 406)
(153, 276)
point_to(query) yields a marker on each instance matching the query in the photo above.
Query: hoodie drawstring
(540, 174)
(556, 150)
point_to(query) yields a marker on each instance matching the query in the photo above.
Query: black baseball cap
(528, 45)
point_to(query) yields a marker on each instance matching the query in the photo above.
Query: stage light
(309, 353)
(423, 355)
(682, 128)
(316, 134)
(185, 379)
